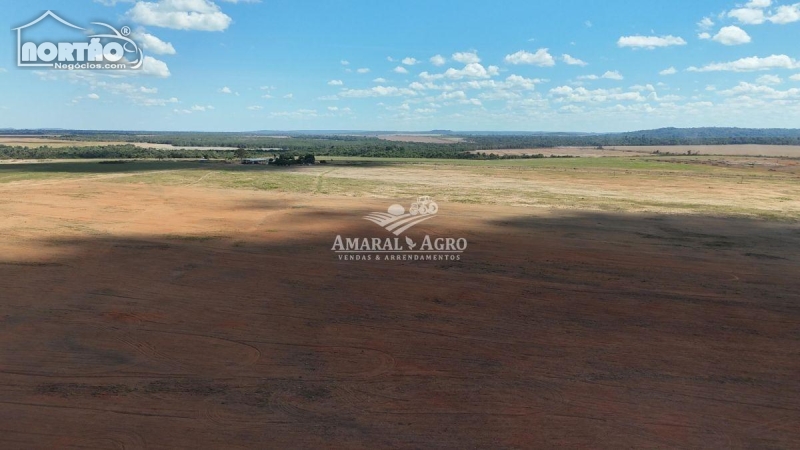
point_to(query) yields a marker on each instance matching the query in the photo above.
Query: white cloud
(201, 108)
(748, 16)
(751, 64)
(670, 71)
(335, 83)
(704, 36)
(732, 35)
(226, 90)
(344, 62)
(400, 69)
(473, 70)
(363, 70)
(516, 81)
(288, 96)
(466, 57)
(333, 108)
(410, 61)
(572, 61)
(752, 90)
(649, 42)
(795, 77)
(588, 77)
(613, 75)
(786, 14)
(583, 95)
(255, 108)
(706, 23)
(154, 67)
(145, 90)
(198, 15)
(438, 60)
(93, 96)
(759, 4)
(379, 80)
(541, 58)
(153, 44)
(768, 80)
(377, 91)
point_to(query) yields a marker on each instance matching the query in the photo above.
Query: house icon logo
(109, 50)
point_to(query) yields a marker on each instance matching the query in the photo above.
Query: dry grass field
(602, 303)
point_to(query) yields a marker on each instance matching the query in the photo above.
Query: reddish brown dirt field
(145, 316)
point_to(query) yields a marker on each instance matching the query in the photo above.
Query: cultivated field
(38, 142)
(632, 302)
(715, 150)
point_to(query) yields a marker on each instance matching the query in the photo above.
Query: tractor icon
(424, 206)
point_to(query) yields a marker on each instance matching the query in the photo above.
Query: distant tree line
(475, 146)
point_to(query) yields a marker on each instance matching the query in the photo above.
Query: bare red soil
(136, 316)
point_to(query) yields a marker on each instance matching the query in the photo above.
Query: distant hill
(473, 140)
(712, 133)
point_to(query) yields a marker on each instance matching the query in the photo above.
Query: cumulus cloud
(198, 15)
(748, 16)
(767, 92)
(466, 57)
(335, 83)
(153, 44)
(255, 108)
(795, 77)
(377, 91)
(363, 70)
(751, 64)
(379, 80)
(473, 70)
(400, 69)
(520, 82)
(541, 58)
(768, 80)
(583, 95)
(438, 60)
(757, 12)
(649, 42)
(573, 61)
(732, 35)
(93, 96)
(786, 14)
(226, 90)
(706, 23)
(613, 75)
(704, 36)
(154, 67)
(410, 61)
(670, 71)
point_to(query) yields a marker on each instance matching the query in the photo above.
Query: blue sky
(573, 65)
